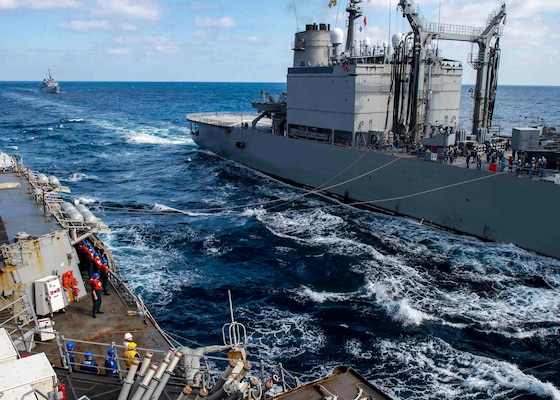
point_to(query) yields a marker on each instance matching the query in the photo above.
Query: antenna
(234, 333)
(295, 12)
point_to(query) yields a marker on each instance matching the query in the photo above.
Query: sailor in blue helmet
(111, 368)
(96, 287)
(88, 365)
(70, 353)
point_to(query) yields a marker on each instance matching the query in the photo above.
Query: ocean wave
(78, 177)
(72, 120)
(321, 297)
(274, 334)
(434, 370)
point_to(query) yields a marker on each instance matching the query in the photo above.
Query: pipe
(128, 380)
(185, 393)
(235, 373)
(270, 383)
(142, 370)
(223, 378)
(202, 393)
(156, 379)
(145, 382)
(146, 363)
(161, 384)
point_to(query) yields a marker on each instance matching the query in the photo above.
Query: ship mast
(354, 12)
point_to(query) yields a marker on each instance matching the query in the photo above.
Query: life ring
(346, 68)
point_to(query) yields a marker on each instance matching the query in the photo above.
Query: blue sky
(243, 40)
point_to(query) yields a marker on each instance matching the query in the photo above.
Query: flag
(365, 21)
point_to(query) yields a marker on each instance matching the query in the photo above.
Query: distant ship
(373, 127)
(50, 85)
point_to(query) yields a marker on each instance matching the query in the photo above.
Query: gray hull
(493, 206)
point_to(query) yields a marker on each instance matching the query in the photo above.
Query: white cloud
(150, 44)
(86, 26)
(129, 27)
(224, 22)
(139, 9)
(118, 52)
(39, 4)
(171, 49)
(8, 4)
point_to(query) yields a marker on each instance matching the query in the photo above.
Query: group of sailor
(89, 365)
(95, 264)
(531, 166)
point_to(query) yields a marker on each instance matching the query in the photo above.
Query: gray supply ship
(372, 126)
(48, 243)
(50, 85)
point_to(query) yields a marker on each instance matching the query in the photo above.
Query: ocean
(421, 312)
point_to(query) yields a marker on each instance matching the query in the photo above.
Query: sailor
(88, 365)
(130, 354)
(542, 166)
(104, 273)
(111, 368)
(70, 353)
(127, 339)
(96, 288)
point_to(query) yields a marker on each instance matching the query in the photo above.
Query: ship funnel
(313, 46)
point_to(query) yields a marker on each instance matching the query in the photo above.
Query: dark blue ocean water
(421, 312)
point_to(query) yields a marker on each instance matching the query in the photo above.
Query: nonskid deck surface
(77, 325)
(19, 212)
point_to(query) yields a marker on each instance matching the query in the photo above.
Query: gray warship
(46, 328)
(50, 85)
(371, 125)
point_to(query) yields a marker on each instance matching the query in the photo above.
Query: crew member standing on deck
(96, 288)
(70, 353)
(111, 368)
(130, 354)
(127, 339)
(104, 273)
(88, 365)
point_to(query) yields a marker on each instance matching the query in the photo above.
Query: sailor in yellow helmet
(130, 354)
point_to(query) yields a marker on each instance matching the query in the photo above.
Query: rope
(318, 190)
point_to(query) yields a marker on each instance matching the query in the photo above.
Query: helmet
(132, 346)
(104, 261)
(96, 254)
(128, 336)
(70, 346)
(111, 352)
(88, 354)
(95, 275)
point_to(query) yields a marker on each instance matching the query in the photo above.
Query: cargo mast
(485, 61)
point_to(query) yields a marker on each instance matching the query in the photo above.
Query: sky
(243, 40)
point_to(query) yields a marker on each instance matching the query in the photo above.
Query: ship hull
(488, 205)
